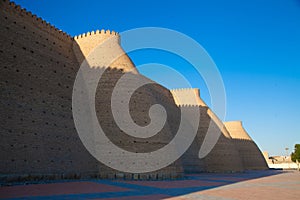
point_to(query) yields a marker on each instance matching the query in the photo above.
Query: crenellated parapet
(97, 32)
(191, 97)
(187, 96)
(102, 48)
(8, 6)
(87, 42)
(236, 130)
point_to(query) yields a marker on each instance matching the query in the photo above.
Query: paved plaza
(249, 185)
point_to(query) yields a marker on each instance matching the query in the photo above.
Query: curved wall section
(251, 155)
(107, 43)
(39, 64)
(224, 157)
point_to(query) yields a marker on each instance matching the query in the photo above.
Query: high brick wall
(38, 68)
(224, 156)
(139, 105)
(252, 157)
(39, 140)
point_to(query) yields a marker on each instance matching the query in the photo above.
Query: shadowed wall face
(224, 155)
(251, 155)
(102, 50)
(140, 102)
(38, 68)
(38, 136)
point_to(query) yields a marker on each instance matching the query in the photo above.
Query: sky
(255, 45)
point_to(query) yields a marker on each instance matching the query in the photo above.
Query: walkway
(249, 185)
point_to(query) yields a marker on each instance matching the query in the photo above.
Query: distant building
(279, 162)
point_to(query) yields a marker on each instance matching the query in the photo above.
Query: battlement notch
(97, 32)
(10, 6)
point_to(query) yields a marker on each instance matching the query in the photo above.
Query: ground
(250, 185)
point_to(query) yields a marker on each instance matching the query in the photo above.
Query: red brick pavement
(57, 189)
(212, 186)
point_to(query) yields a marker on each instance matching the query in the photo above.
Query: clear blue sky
(255, 44)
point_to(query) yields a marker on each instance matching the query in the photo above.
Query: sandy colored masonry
(38, 66)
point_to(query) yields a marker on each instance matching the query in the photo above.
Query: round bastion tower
(107, 43)
(103, 53)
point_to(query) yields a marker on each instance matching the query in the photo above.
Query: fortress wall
(191, 97)
(38, 67)
(251, 155)
(143, 98)
(140, 103)
(39, 64)
(224, 156)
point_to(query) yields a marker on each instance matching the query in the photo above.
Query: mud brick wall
(224, 156)
(38, 67)
(252, 157)
(38, 136)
